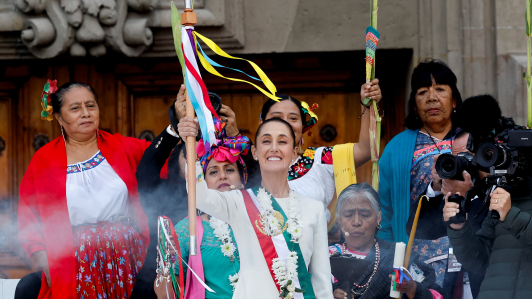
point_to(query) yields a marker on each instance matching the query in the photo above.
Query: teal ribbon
(302, 271)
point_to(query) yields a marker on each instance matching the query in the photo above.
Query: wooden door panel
(151, 114)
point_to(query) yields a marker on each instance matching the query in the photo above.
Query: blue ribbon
(199, 112)
(213, 63)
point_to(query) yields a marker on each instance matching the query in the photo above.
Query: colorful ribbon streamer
(372, 40)
(209, 67)
(398, 276)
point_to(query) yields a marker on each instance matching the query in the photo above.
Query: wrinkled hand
(450, 209)
(340, 294)
(371, 90)
(436, 180)
(455, 186)
(40, 263)
(230, 118)
(407, 287)
(180, 110)
(501, 201)
(187, 127)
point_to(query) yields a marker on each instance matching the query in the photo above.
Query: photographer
(502, 248)
(431, 242)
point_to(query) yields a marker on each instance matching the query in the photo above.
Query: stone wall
(481, 40)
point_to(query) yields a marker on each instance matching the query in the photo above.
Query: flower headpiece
(46, 103)
(226, 148)
(313, 117)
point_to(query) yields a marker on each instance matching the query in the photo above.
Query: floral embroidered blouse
(312, 175)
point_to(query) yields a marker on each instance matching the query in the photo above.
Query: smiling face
(360, 221)
(274, 149)
(80, 115)
(289, 112)
(221, 175)
(434, 104)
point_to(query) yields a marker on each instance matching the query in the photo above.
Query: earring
(256, 158)
(379, 226)
(302, 141)
(454, 110)
(345, 233)
(98, 132)
(63, 135)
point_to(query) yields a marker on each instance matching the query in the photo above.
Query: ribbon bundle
(372, 40)
(47, 109)
(313, 117)
(189, 51)
(398, 276)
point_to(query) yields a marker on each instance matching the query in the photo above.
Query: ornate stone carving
(86, 26)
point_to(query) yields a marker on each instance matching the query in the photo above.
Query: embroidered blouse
(312, 175)
(95, 192)
(217, 266)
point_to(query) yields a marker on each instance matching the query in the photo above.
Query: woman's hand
(230, 118)
(450, 209)
(40, 263)
(409, 287)
(371, 90)
(436, 180)
(180, 109)
(164, 285)
(187, 127)
(501, 201)
(340, 294)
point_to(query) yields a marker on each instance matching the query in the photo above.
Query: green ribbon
(302, 272)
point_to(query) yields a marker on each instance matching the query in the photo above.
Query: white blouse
(95, 192)
(317, 182)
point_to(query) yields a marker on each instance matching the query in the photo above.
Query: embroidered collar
(91, 163)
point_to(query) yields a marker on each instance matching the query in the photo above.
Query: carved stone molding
(52, 27)
(49, 28)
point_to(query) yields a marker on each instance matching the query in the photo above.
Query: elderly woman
(359, 216)
(79, 213)
(407, 167)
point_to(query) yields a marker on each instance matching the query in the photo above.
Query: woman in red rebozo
(79, 214)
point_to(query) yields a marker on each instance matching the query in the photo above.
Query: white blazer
(255, 280)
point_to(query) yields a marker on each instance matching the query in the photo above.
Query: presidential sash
(278, 245)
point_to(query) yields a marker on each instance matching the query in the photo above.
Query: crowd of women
(90, 202)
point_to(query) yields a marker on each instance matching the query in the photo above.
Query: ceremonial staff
(189, 18)
(527, 76)
(372, 39)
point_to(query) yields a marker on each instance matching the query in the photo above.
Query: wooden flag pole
(188, 18)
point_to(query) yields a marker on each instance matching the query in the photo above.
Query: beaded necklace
(375, 267)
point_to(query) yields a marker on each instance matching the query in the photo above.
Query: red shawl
(43, 218)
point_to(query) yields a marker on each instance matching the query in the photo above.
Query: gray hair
(355, 190)
(57, 97)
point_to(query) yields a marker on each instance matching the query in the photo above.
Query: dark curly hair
(422, 76)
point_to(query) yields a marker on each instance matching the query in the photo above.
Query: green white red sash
(278, 246)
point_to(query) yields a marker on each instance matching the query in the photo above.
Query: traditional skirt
(108, 257)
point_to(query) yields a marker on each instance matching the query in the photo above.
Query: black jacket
(501, 250)
(158, 197)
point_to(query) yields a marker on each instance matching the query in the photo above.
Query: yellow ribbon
(344, 174)
(214, 47)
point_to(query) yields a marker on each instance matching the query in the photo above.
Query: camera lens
(448, 166)
(488, 154)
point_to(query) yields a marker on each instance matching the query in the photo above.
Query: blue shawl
(395, 166)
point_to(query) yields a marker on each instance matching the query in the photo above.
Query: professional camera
(499, 146)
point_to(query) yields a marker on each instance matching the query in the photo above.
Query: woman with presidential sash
(281, 234)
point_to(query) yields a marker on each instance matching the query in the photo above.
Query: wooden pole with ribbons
(189, 18)
(372, 39)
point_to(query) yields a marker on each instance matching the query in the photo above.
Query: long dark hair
(424, 73)
(269, 103)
